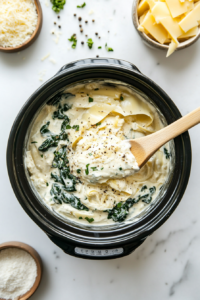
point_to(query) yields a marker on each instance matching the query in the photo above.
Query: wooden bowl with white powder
(21, 21)
(20, 271)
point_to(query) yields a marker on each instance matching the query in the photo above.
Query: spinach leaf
(65, 123)
(74, 201)
(121, 210)
(44, 129)
(52, 141)
(143, 188)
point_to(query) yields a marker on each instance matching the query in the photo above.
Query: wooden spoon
(143, 148)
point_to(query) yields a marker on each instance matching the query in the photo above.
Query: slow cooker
(91, 243)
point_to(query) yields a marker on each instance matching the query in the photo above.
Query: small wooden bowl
(37, 259)
(33, 37)
(152, 43)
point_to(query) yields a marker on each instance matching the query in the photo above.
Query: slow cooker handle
(99, 61)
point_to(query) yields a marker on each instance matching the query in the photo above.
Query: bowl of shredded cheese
(20, 271)
(167, 24)
(20, 24)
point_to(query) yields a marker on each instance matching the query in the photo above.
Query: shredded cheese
(18, 20)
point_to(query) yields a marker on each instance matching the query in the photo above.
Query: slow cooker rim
(59, 75)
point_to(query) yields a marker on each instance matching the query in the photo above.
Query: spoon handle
(154, 141)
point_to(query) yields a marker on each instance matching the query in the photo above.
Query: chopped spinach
(167, 153)
(78, 171)
(121, 98)
(80, 218)
(143, 188)
(65, 123)
(98, 124)
(55, 101)
(90, 99)
(121, 210)
(90, 220)
(44, 130)
(52, 141)
(34, 142)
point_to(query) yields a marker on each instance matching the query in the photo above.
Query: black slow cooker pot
(91, 243)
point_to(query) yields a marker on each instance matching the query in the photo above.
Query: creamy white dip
(89, 174)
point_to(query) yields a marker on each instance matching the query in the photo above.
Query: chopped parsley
(76, 127)
(90, 154)
(98, 124)
(82, 5)
(167, 154)
(108, 48)
(78, 171)
(90, 99)
(90, 220)
(41, 155)
(33, 142)
(94, 168)
(90, 43)
(121, 98)
(101, 168)
(58, 5)
(120, 169)
(99, 47)
(80, 218)
(74, 40)
(87, 169)
(47, 184)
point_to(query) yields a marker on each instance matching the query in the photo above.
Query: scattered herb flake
(58, 5)
(82, 5)
(68, 127)
(99, 47)
(90, 43)
(80, 218)
(108, 48)
(90, 154)
(101, 168)
(42, 155)
(98, 124)
(96, 89)
(94, 168)
(47, 184)
(167, 154)
(76, 127)
(90, 99)
(78, 171)
(33, 142)
(90, 220)
(87, 169)
(74, 40)
(121, 98)
(120, 169)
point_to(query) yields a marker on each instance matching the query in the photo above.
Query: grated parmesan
(18, 20)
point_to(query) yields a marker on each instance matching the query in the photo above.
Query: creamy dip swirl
(79, 157)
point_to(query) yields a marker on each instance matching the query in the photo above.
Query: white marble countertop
(168, 263)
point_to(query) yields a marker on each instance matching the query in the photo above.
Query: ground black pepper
(58, 17)
(82, 43)
(93, 20)
(74, 15)
(80, 19)
(96, 33)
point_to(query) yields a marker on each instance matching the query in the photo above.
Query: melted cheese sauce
(102, 119)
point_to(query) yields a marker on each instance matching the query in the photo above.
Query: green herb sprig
(82, 5)
(58, 5)
(90, 43)
(108, 48)
(73, 39)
